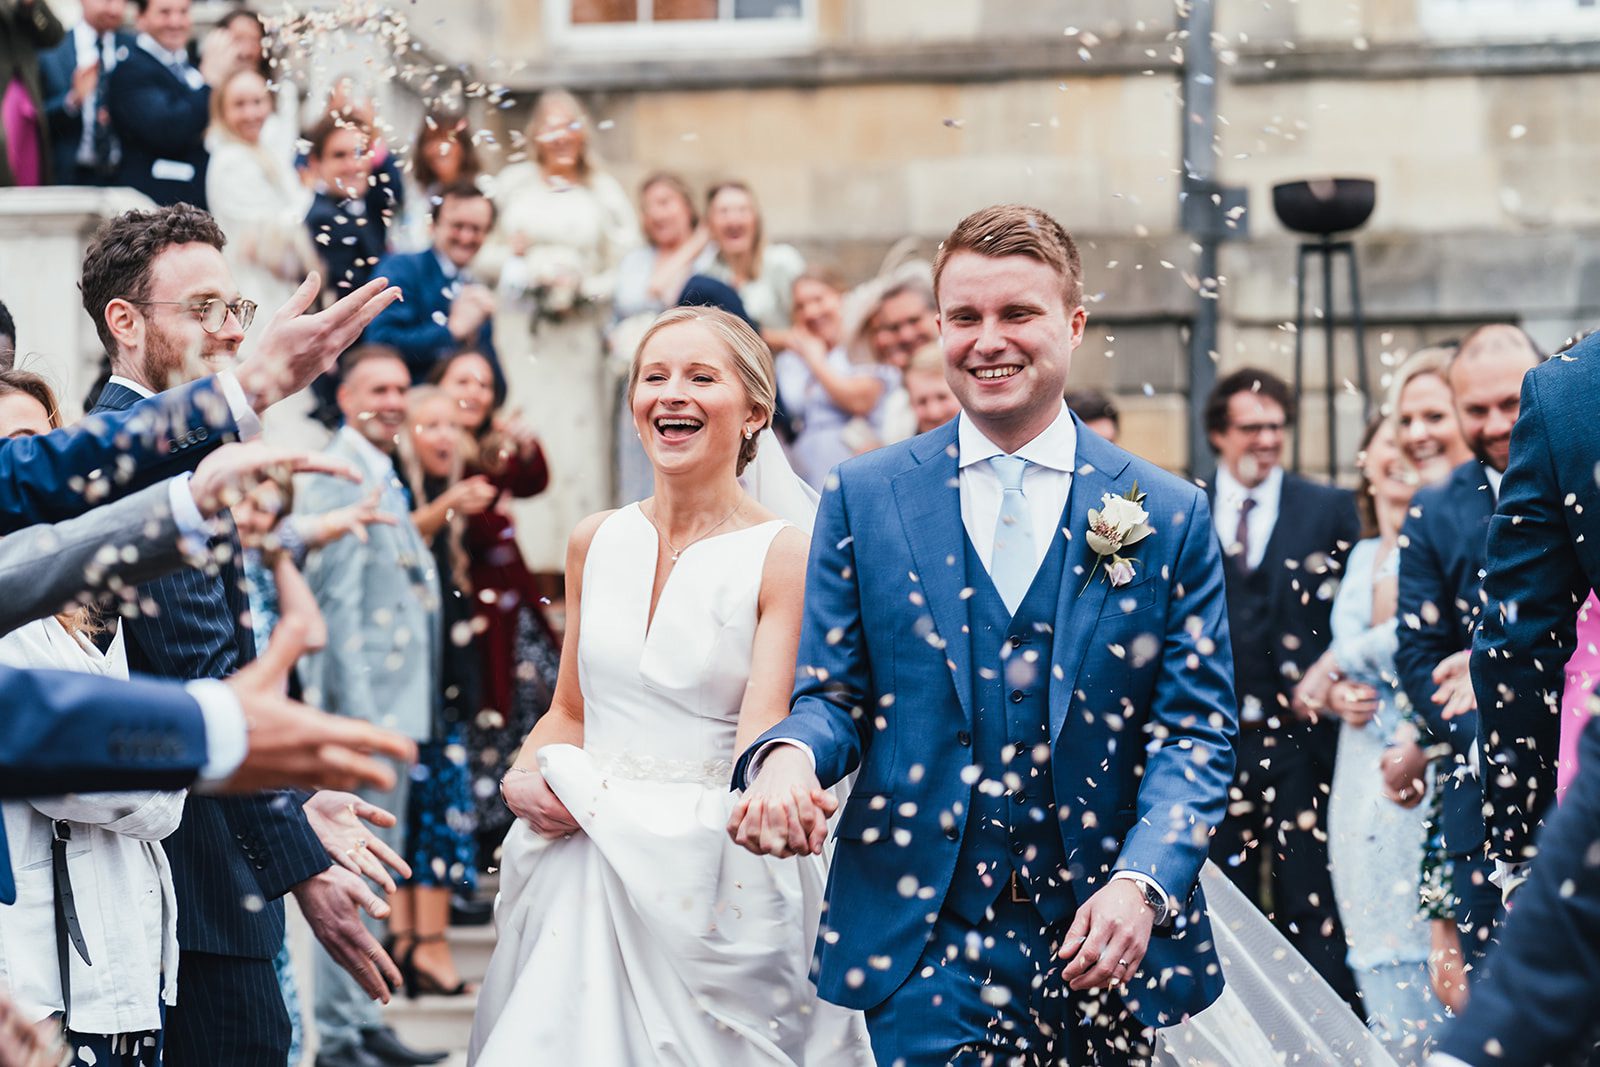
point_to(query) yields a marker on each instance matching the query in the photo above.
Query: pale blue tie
(1014, 561)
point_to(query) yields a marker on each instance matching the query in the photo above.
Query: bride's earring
(748, 433)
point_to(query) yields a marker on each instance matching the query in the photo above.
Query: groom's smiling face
(1008, 340)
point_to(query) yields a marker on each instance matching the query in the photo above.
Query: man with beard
(1281, 537)
(167, 311)
(1442, 554)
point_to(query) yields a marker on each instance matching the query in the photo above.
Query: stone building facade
(861, 122)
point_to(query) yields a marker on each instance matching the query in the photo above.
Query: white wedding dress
(650, 937)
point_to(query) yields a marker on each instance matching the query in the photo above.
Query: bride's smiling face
(689, 406)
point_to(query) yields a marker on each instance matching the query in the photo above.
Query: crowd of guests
(479, 418)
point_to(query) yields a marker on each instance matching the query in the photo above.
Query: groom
(1042, 714)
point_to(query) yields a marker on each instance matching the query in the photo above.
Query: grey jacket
(381, 604)
(110, 549)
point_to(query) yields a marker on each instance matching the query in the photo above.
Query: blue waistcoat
(1012, 825)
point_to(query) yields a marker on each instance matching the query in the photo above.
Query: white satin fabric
(650, 937)
(1275, 1009)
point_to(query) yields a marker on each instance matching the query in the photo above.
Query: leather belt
(67, 925)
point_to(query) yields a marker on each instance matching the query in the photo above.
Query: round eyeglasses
(212, 313)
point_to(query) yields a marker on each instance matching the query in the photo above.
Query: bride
(631, 929)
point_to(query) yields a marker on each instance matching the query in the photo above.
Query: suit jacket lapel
(1099, 464)
(929, 502)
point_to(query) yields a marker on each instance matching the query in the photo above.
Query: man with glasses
(166, 309)
(1282, 537)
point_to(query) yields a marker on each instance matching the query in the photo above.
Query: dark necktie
(1242, 536)
(104, 144)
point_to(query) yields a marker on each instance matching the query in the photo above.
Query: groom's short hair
(1016, 230)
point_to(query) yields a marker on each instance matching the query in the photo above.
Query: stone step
(433, 1022)
(471, 946)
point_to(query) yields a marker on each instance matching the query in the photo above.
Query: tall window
(1508, 19)
(656, 25)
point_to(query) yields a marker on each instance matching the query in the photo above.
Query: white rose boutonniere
(1119, 524)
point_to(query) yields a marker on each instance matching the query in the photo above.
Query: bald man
(1442, 555)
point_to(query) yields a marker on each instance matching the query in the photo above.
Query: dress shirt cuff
(1168, 912)
(760, 757)
(227, 742)
(192, 526)
(1508, 876)
(244, 416)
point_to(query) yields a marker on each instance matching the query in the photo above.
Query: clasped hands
(785, 813)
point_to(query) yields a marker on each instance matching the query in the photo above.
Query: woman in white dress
(260, 203)
(564, 227)
(632, 930)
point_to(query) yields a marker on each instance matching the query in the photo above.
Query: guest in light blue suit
(1042, 734)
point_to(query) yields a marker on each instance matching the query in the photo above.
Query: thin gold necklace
(676, 551)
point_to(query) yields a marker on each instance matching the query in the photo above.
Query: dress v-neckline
(654, 599)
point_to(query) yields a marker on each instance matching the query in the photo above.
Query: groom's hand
(1107, 939)
(785, 811)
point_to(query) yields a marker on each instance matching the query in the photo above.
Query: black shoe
(355, 1056)
(464, 911)
(384, 1044)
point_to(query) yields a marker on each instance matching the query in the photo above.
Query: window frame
(1478, 20)
(677, 36)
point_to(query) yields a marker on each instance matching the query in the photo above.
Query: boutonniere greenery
(1118, 525)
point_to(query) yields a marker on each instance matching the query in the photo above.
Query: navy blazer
(56, 68)
(161, 123)
(1316, 527)
(227, 850)
(1142, 712)
(1543, 560)
(416, 325)
(1535, 1005)
(350, 245)
(63, 732)
(53, 476)
(1442, 545)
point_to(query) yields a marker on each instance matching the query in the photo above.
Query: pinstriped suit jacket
(232, 858)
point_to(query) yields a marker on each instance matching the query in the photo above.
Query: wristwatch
(1157, 899)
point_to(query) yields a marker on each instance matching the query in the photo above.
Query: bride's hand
(785, 811)
(530, 799)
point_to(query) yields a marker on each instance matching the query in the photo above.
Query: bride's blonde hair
(752, 361)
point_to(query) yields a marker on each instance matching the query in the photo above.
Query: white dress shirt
(93, 50)
(1230, 498)
(1045, 482)
(177, 62)
(226, 742)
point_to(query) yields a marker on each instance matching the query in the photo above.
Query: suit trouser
(343, 1008)
(229, 1011)
(1276, 833)
(1479, 911)
(992, 994)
